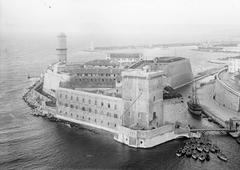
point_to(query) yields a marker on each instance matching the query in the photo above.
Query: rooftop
(156, 62)
(125, 55)
(113, 92)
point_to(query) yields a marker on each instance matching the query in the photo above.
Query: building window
(115, 116)
(90, 110)
(154, 115)
(83, 108)
(76, 107)
(108, 123)
(77, 116)
(102, 104)
(95, 102)
(95, 111)
(77, 99)
(95, 120)
(60, 95)
(108, 114)
(115, 107)
(71, 106)
(71, 114)
(83, 117)
(71, 97)
(154, 98)
(108, 105)
(89, 101)
(89, 118)
(65, 96)
(83, 100)
(66, 105)
(115, 125)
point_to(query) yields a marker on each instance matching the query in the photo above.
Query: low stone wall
(146, 134)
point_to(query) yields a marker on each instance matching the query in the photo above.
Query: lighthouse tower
(62, 48)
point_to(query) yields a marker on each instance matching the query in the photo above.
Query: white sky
(133, 18)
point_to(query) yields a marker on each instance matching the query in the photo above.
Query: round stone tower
(62, 48)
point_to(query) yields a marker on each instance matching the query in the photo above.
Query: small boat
(207, 157)
(199, 148)
(68, 125)
(189, 153)
(212, 149)
(222, 156)
(179, 152)
(195, 155)
(217, 149)
(206, 149)
(183, 151)
(202, 157)
(193, 146)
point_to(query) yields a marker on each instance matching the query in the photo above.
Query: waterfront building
(234, 65)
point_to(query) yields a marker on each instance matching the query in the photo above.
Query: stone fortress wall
(225, 94)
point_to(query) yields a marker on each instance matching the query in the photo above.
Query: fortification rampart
(225, 94)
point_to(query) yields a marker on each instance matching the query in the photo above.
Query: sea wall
(179, 73)
(225, 95)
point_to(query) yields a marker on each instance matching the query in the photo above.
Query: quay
(223, 116)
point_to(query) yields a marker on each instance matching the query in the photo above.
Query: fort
(135, 101)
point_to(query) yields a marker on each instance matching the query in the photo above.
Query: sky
(127, 21)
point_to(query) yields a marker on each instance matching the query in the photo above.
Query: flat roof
(125, 55)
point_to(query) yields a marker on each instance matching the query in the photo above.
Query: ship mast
(194, 95)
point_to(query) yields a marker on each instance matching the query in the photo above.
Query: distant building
(124, 57)
(234, 65)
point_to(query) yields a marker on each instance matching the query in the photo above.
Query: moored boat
(183, 151)
(199, 148)
(193, 105)
(179, 152)
(202, 157)
(195, 154)
(206, 149)
(222, 156)
(189, 153)
(216, 148)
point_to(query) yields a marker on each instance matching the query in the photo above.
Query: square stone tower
(142, 93)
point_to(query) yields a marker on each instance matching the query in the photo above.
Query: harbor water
(28, 142)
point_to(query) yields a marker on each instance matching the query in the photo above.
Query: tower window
(154, 98)
(154, 115)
